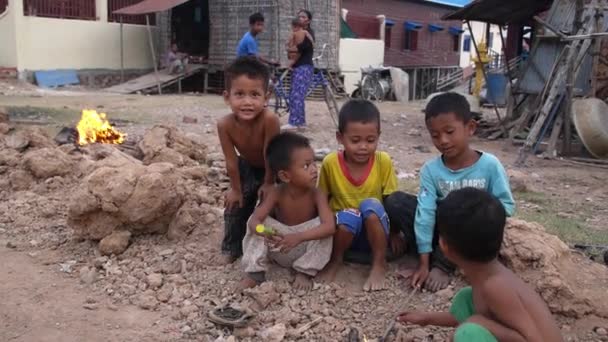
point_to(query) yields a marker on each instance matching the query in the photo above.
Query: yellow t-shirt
(345, 192)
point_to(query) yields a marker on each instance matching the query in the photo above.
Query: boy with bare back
(297, 36)
(244, 135)
(296, 212)
(498, 306)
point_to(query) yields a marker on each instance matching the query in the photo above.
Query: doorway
(190, 27)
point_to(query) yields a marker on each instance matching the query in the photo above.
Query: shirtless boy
(498, 306)
(297, 212)
(244, 135)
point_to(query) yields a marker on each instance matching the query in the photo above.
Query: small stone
(171, 267)
(186, 329)
(90, 306)
(154, 280)
(88, 275)
(414, 132)
(147, 301)
(275, 333)
(66, 267)
(244, 332)
(422, 149)
(10, 245)
(115, 243)
(164, 294)
(166, 252)
(601, 331)
(100, 262)
(189, 120)
(445, 294)
(418, 333)
(112, 307)
(210, 219)
(187, 310)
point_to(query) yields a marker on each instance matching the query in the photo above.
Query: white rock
(154, 280)
(88, 275)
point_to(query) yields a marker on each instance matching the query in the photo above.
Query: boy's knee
(372, 211)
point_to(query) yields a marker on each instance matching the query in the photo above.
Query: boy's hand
(420, 276)
(397, 243)
(414, 317)
(233, 200)
(264, 190)
(288, 242)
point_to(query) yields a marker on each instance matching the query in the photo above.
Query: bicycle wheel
(279, 101)
(332, 104)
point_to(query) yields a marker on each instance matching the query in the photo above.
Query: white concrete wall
(479, 30)
(8, 36)
(356, 54)
(47, 43)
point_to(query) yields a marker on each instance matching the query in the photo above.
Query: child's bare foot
(377, 278)
(246, 283)
(437, 280)
(302, 282)
(328, 274)
(226, 260)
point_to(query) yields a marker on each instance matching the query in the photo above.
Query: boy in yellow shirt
(356, 181)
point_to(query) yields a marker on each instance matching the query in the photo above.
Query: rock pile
(547, 263)
(117, 196)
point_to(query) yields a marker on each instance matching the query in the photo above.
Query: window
(466, 44)
(456, 43)
(411, 40)
(64, 9)
(491, 40)
(387, 36)
(114, 5)
(3, 5)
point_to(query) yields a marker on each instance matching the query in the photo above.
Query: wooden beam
(549, 26)
(153, 54)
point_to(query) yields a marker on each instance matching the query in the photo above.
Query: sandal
(230, 317)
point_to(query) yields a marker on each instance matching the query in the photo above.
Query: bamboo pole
(122, 53)
(570, 83)
(153, 54)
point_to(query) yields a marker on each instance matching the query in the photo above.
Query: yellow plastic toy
(261, 229)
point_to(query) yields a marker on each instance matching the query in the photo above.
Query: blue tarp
(389, 22)
(435, 28)
(56, 78)
(412, 25)
(456, 30)
(452, 3)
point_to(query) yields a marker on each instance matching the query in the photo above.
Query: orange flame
(95, 128)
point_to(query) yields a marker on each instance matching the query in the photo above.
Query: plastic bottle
(261, 229)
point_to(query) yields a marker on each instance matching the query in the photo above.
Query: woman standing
(306, 17)
(301, 77)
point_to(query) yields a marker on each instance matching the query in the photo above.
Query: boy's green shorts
(462, 308)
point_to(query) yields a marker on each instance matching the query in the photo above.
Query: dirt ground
(42, 303)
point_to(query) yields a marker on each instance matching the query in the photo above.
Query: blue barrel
(497, 89)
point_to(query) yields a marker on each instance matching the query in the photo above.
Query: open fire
(93, 127)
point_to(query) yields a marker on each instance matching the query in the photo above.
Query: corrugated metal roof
(453, 3)
(149, 6)
(499, 12)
